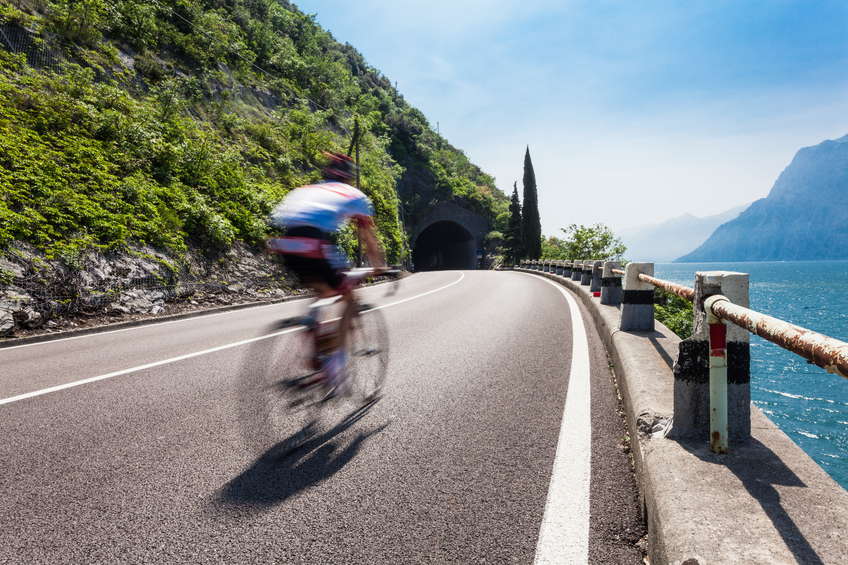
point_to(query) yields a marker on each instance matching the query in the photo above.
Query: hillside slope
(802, 218)
(176, 123)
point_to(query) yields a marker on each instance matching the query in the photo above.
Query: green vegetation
(674, 312)
(513, 248)
(531, 225)
(177, 123)
(596, 242)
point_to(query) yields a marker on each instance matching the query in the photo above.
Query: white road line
(564, 535)
(190, 355)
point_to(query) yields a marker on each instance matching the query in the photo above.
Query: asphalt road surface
(142, 445)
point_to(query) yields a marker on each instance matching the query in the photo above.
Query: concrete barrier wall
(765, 502)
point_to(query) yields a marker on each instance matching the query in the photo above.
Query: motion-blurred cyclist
(310, 216)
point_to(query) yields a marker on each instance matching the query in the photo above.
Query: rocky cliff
(802, 218)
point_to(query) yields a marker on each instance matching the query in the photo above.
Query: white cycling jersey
(326, 206)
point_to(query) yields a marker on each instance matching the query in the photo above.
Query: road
(137, 445)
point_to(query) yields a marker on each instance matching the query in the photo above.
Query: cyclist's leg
(347, 318)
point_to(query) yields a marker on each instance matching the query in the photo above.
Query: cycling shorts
(309, 253)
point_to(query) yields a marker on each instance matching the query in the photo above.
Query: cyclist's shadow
(277, 475)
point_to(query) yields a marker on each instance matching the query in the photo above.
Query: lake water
(809, 404)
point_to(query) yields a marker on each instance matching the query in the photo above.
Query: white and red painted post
(718, 378)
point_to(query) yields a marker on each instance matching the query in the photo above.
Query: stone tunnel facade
(448, 236)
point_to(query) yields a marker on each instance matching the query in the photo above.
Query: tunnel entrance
(444, 246)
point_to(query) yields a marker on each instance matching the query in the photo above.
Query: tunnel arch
(444, 245)
(448, 236)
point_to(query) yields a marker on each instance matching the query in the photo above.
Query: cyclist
(310, 216)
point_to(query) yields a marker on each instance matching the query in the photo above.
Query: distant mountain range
(802, 219)
(663, 243)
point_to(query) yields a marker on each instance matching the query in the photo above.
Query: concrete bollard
(611, 284)
(559, 265)
(597, 274)
(586, 275)
(577, 270)
(692, 369)
(566, 269)
(637, 302)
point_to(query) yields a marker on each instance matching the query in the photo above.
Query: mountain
(802, 218)
(665, 242)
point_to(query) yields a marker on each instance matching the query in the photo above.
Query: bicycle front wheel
(369, 354)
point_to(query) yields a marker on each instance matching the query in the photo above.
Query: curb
(766, 502)
(16, 341)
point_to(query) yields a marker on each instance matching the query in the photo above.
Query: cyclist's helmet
(340, 167)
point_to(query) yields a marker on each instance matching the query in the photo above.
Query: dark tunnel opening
(444, 246)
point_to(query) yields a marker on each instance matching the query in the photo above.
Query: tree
(531, 226)
(513, 233)
(595, 242)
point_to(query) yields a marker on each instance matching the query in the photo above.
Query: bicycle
(296, 401)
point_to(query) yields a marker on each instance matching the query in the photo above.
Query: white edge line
(188, 355)
(564, 533)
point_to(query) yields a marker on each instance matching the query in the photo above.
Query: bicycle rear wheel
(290, 401)
(368, 354)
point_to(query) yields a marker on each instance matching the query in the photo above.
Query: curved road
(137, 446)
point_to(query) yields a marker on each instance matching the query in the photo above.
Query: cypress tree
(531, 225)
(513, 232)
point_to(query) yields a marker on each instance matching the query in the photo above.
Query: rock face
(802, 219)
(35, 290)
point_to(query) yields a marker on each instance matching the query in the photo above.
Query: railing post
(637, 302)
(586, 276)
(718, 379)
(566, 269)
(611, 284)
(576, 270)
(597, 274)
(559, 268)
(692, 371)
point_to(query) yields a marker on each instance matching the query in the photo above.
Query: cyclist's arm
(372, 245)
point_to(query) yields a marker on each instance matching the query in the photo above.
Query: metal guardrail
(676, 289)
(828, 353)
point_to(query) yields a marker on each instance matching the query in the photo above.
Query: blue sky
(635, 112)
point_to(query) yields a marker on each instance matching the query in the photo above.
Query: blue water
(807, 403)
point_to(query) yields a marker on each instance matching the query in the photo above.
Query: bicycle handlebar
(362, 272)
